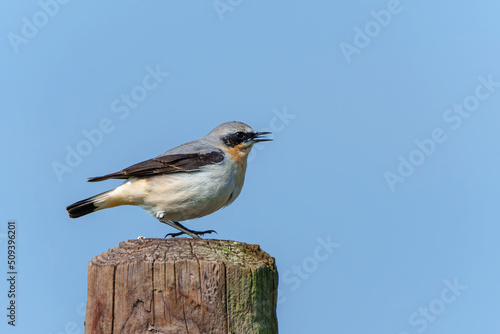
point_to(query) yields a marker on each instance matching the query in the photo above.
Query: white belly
(184, 196)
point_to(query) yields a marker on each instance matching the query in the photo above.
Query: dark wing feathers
(165, 164)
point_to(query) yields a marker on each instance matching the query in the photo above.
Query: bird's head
(236, 135)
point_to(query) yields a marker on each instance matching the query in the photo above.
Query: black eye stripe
(236, 138)
(243, 135)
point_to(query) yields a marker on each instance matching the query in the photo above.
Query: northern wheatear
(190, 181)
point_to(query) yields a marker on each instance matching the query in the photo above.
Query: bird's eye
(240, 135)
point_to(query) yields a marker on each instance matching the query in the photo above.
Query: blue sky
(378, 197)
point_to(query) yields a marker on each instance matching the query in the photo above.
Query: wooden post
(182, 286)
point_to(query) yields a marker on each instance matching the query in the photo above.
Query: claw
(205, 232)
(173, 235)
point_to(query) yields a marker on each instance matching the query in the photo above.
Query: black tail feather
(81, 208)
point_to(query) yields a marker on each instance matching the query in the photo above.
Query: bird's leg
(177, 226)
(185, 230)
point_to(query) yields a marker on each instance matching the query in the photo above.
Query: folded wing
(166, 164)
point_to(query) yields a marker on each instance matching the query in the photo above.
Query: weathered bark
(182, 286)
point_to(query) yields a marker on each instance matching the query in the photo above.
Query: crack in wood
(113, 307)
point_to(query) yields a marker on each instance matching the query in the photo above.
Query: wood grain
(182, 286)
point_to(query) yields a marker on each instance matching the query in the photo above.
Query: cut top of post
(176, 249)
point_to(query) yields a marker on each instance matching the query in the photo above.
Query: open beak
(258, 137)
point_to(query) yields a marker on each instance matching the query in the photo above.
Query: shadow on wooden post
(182, 286)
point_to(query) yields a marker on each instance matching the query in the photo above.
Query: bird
(189, 181)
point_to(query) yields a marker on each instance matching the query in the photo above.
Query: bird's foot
(198, 233)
